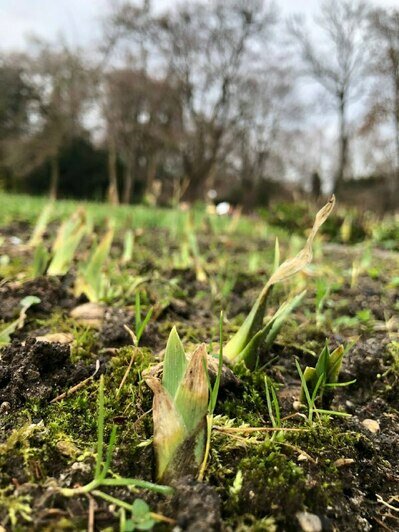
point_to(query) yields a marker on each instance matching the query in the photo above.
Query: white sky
(78, 20)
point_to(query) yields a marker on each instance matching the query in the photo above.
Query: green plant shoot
(213, 395)
(41, 225)
(91, 280)
(140, 324)
(311, 396)
(64, 247)
(179, 410)
(26, 303)
(41, 259)
(326, 371)
(245, 343)
(128, 247)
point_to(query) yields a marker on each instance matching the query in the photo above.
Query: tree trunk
(343, 144)
(128, 182)
(195, 189)
(396, 184)
(151, 173)
(198, 180)
(200, 170)
(113, 196)
(54, 176)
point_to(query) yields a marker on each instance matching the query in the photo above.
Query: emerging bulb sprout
(179, 410)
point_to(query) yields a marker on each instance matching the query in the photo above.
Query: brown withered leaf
(304, 257)
(192, 395)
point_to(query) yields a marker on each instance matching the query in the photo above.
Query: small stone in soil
(371, 425)
(309, 522)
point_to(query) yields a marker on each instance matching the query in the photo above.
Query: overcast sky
(78, 20)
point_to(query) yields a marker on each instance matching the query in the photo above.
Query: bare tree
(204, 49)
(61, 84)
(384, 28)
(122, 109)
(268, 110)
(210, 50)
(143, 118)
(16, 98)
(337, 62)
(275, 110)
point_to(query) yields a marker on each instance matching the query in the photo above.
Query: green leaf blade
(175, 363)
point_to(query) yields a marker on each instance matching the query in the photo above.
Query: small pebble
(4, 409)
(371, 425)
(343, 462)
(309, 522)
(302, 458)
(90, 314)
(296, 405)
(59, 338)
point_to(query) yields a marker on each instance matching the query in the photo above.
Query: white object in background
(223, 208)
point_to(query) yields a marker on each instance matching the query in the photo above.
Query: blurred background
(241, 101)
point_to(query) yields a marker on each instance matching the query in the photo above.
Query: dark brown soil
(52, 292)
(36, 371)
(197, 506)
